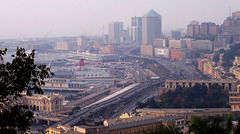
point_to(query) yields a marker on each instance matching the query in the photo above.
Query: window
(209, 84)
(230, 86)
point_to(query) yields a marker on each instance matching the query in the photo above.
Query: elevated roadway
(108, 101)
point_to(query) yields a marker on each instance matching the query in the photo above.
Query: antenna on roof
(230, 11)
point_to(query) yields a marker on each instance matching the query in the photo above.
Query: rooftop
(184, 111)
(151, 13)
(166, 119)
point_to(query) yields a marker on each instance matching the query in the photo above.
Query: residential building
(160, 43)
(90, 129)
(81, 41)
(60, 129)
(177, 44)
(209, 28)
(139, 124)
(176, 34)
(234, 98)
(231, 26)
(62, 45)
(151, 27)
(209, 68)
(187, 113)
(193, 29)
(223, 40)
(236, 61)
(115, 31)
(229, 84)
(177, 54)
(235, 71)
(202, 45)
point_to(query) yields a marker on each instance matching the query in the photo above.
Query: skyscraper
(135, 30)
(115, 31)
(151, 27)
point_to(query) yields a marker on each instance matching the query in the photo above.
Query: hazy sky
(36, 18)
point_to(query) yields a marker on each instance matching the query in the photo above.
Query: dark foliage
(198, 96)
(230, 54)
(218, 125)
(20, 75)
(162, 129)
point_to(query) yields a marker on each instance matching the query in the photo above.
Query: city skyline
(37, 18)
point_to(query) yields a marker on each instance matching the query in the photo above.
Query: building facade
(147, 50)
(236, 61)
(193, 29)
(161, 43)
(141, 124)
(164, 52)
(235, 71)
(43, 103)
(90, 129)
(177, 54)
(229, 85)
(202, 45)
(62, 45)
(177, 44)
(135, 30)
(231, 27)
(188, 113)
(81, 41)
(115, 31)
(209, 28)
(151, 27)
(234, 98)
(176, 34)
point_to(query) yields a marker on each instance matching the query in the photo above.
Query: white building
(202, 45)
(162, 52)
(62, 45)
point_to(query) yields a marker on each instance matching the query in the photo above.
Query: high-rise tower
(115, 31)
(151, 27)
(135, 30)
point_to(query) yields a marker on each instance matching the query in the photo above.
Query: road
(173, 67)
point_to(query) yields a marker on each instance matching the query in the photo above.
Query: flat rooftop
(184, 111)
